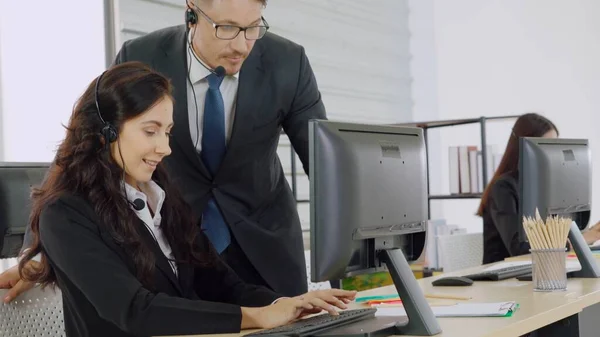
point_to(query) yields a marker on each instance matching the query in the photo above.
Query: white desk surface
(536, 309)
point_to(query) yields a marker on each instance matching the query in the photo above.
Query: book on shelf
(466, 168)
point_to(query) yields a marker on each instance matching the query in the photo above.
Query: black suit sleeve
(505, 215)
(78, 253)
(221, 284)
(307, 105)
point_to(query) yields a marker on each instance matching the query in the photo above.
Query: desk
(537, 309)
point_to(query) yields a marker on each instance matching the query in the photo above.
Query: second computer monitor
(555, 178)
(368, 192)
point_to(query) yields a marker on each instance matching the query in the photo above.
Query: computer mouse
(452, 281)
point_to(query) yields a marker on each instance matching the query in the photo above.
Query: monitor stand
(421, 320)
(589, 266)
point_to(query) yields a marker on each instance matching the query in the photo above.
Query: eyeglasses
(230, 32)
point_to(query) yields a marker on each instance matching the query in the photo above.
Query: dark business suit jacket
(277, 90)
(102, 296)
(501, 221)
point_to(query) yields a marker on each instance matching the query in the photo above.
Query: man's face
(230, 54)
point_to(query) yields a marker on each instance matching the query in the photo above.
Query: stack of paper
(499, 309)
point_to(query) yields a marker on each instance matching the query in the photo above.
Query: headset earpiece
(190, 17)
(108, 131)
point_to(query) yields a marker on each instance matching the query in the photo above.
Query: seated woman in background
(499, 205)
(118, 239)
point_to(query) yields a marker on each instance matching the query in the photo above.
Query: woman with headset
(119, 241)
(499, 205)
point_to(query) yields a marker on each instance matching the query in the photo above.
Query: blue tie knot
(214, 81)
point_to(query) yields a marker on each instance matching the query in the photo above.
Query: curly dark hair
(83, 166)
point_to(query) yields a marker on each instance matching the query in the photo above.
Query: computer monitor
(16, 182)
(555, 178)
(369, 210)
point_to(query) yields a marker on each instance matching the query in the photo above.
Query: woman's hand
(287, 310)
(327, 300)
(592, 235)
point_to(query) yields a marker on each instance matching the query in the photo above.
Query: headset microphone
(219, 71)
(138, 204)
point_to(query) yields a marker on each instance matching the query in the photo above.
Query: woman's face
(143, 142)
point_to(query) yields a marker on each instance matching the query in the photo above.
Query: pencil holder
(549, 269)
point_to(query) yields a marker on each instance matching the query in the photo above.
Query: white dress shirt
(153, 197)
(197, 76)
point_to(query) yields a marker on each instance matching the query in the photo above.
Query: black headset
(108, 131)
(190, 16)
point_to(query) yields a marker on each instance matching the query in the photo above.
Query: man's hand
(10, 279)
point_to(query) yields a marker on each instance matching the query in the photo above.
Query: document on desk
(497, 309)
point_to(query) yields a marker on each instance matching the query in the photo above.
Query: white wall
(48, 55)
(499, 57)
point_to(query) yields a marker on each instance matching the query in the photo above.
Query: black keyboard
(501, 274)
(314, 324)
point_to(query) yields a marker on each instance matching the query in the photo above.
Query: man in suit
(226, 133)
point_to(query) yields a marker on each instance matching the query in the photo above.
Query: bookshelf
(482, 121)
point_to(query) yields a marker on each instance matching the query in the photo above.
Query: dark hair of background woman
(527, 125)
(84, 166)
